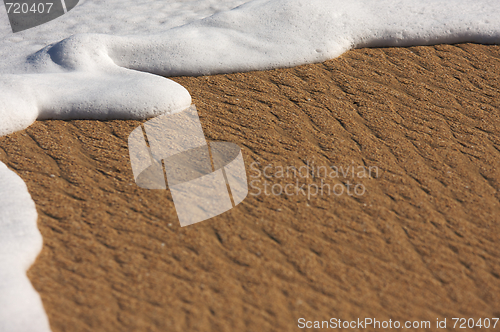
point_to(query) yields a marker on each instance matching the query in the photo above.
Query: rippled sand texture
(421, 244)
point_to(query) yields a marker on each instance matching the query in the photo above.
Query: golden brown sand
(422, 242)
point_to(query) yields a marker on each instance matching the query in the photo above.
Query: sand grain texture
(421, 244)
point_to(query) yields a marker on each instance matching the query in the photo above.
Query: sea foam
(21, 309)
(102, 76)
(98, 62)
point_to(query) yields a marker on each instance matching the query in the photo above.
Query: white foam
(260, 34)
(105, 71)
(21, 309)
(34, 86)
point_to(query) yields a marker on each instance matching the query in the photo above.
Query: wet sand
(420, 243)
